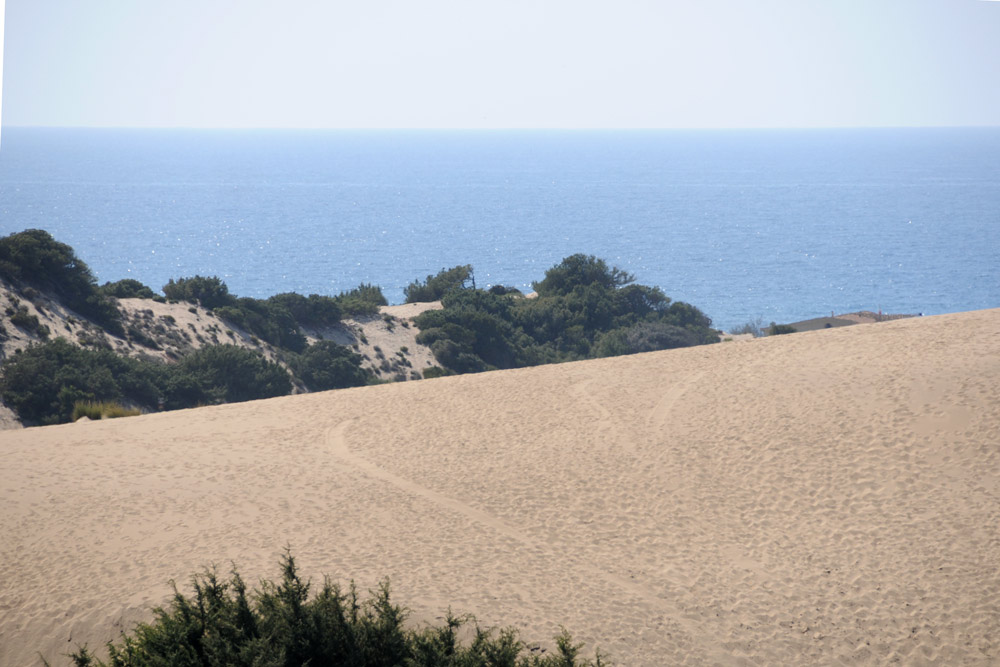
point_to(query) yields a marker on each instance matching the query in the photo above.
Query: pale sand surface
(387, 345)
(829, 497)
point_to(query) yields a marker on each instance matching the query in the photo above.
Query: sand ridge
(825, 497)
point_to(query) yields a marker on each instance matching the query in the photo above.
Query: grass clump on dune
(102, 410)
(279, 626)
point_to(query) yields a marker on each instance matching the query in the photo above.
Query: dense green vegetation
(326, 365)
(435, 287)
(44, 383)
(33, 258)
(584, 309)
(278, 625)
(210, 292)
(224, 374)
(56, 381)
(127, 288)
(269, 321)
(365, 299)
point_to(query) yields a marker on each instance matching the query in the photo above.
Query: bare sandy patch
(829, 497)
(387, 342)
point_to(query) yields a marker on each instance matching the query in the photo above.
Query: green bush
(326, 365)
(271, 321)
(44, 383)
(279, 625)
(33, 258)
(363, 300)
(224, 374)
(21, 318)
(779, 329)
(127, 288)
(210, 292)
(313, 310)
(436, 286)
(584, 309)
(652, 336)
(581, 271)
(502, 290)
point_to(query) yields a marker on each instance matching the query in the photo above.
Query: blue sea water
(783, 225)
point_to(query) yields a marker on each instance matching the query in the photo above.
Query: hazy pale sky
(503, 64)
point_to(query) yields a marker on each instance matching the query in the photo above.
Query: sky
(509, 64)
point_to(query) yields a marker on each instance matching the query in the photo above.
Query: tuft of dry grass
(102, 410)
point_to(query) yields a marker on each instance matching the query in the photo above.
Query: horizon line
(493, 129)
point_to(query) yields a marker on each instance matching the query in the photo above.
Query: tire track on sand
(659, 416)
(338, 445)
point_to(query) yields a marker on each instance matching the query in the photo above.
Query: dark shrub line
(584, 309)
(278, 625)
(33, 258)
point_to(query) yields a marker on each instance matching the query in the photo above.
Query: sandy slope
(387, 342)
(831, 496)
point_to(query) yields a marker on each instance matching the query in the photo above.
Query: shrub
(584, 309)
(21, 318)
(313, 310)
(502, 290)
(365, 299)
(779, 329)
(652, 336)
(326, 365)
(44, 382)
(270, 320)
(456, 357)
(581, 271)
(436, 286)
(753, 327)
(137, 335)
(225, 373)
(223, 623)
(127, 288)
(34, 258)
(210, 292)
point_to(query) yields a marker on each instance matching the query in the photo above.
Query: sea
(775, 225)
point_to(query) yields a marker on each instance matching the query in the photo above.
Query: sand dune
(820, 498)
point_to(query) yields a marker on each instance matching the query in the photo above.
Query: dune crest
(821, 497)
